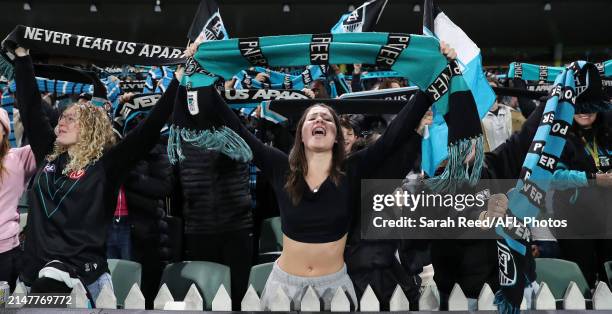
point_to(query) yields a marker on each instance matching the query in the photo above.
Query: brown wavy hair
(298, 165)
(95, 137)
(4, 149)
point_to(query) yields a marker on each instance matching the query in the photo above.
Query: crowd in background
(210, 207)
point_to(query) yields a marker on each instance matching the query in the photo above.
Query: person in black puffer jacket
(148, 187)
(217, 213)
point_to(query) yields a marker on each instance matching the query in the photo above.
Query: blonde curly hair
(95, 136)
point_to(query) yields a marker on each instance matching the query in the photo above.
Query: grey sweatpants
(295, 287)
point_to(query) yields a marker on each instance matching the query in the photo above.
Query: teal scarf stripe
(277, 79)
(223, 140)
(421, 61)
(536, 178)
(533, 72)
(607, 65)
(415, 57)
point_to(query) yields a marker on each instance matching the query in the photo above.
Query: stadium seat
(271, 239)
(259, 276)
(207, 276)
(558, 273)
(124, 274)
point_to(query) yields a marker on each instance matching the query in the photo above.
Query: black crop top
(323, 216)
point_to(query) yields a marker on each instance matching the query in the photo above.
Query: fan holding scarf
(317, 188)
(76, 185)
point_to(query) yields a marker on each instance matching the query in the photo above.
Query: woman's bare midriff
(312, 259)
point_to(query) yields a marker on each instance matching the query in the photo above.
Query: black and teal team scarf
(126, 116)
(527, 198)
(376, 75)
(54, 43)
(245, 79)
(413, 56)
(541, 77)
(158, 79)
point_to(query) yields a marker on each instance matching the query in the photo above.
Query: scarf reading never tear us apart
(413, 56)
(527, 198)
(92, 48)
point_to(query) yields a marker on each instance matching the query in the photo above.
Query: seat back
(124, 275)
(558, 273)
(207, 276)
(259, 275)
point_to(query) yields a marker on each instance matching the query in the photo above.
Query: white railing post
(251, 301)
(222, 301)
(486, 299)
(457, 300)
(79, 297)
(193, 300)
(602, 298)
(369, 302)
(573, 299)
(340, 302)
(163, 296)
(106, 299)
(134, 299)
(310, 301)
(429, 300)
(544, 299)
(280, 302)
(398, 301)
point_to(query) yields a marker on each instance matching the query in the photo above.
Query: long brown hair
(298, 165)
(4, 149)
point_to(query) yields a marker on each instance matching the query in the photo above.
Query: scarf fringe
(504, 306)
(223, 140)
(456, 171)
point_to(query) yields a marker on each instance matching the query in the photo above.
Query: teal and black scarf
(527, 198)
(102, 50)
(413, 56)
(541, 77)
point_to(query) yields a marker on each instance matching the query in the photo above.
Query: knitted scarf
(158, 79)
(413, 56)
(527, 198)
(132, 86)
(245, 79)
(124, 115)
(251, 98)
(540, 78)
(54, 43)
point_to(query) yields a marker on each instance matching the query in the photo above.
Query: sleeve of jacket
(507, 159)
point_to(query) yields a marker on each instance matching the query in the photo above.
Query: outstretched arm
(35, 123)
(121, 157)
(507, 159)
(400, 130)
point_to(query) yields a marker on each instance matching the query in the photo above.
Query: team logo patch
(49, 168)
(507, 267)
(75, 175)
(192, 102)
